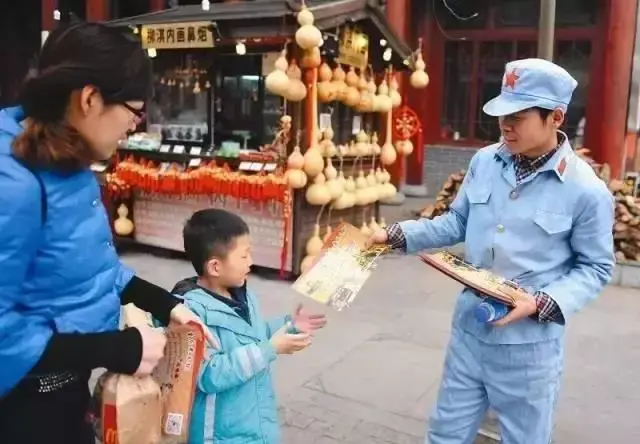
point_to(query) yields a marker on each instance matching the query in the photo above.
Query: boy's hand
(380, 236)
(286, 344)
(307, 323)
(181, 315)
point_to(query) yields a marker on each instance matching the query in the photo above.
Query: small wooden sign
(177, 35)
(353, 48)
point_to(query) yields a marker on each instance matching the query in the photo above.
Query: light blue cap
(532, 83)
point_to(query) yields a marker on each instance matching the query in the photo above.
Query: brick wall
(441, 161)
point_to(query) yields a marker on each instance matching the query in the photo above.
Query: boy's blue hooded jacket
(61, 275)
(235, 401)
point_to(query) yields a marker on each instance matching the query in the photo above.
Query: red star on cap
(511, 78)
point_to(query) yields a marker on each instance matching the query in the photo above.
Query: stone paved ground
(371, 376)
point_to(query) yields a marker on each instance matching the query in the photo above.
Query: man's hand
(380, 236)
(525, 307)
(181, 315)
(307, 323)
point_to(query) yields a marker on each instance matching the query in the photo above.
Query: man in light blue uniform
(532, 211)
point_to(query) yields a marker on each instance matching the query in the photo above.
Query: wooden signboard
(177, 35)
(353, 48)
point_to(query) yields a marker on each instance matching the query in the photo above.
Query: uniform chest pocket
(553, 223)
(478, 195)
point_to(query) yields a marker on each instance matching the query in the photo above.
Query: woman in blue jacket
(61, 282)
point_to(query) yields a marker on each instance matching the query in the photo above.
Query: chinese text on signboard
(353, 48)
(177, 35)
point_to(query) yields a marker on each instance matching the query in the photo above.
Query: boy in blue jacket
(235, 400)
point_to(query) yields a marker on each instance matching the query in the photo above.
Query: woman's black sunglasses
(140, 114)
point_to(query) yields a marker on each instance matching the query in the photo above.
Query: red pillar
(618, 56)
(156, 5)
(397, 13)
(47, 21)
(97, 10)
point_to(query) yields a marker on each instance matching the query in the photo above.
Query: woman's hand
(181, 315)
(153, 342)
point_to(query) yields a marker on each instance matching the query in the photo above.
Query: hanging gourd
(296, 177)
(326, 89)
(362, 144)
(339, 84)
(314, 244)
(404, 147)
(371, 88)
(333, 185)
(328, 229)
(383, 223)
(394, 93)
(388, 153)
(352, 95)
(375, 148)
(366, 100)
(297, 90)
(278, 82)
(388, 189)
(123, 226)
(362, 197)
(341, 177)
(419, 78)
(324, 73)
(313, 160)
(311, 58)
(380, 188)
(351, 149)
(348, 198)
(372, 187)
(383, 101)
(307, 36)
(328, 148)
(318, 193)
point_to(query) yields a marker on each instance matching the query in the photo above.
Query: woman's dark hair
(75, 56)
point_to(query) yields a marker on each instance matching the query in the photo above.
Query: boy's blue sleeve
(276, 324)
(222, 370)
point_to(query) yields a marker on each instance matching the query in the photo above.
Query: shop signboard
(177, 35)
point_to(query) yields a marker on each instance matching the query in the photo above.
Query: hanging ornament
(296, 90)
(394, 90)
(123, 226)
(307, 36)
(419, 78)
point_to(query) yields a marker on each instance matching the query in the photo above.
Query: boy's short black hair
(211, 233)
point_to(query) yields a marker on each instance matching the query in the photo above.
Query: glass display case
(245, 113)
